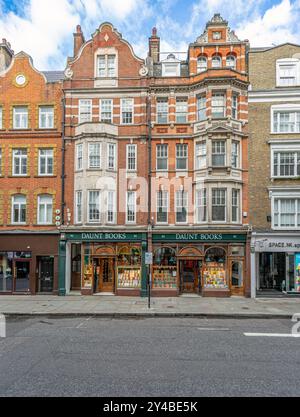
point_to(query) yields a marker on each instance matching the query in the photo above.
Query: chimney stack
(154, 46)
(78, 40)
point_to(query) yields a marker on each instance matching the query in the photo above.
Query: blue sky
(44, 28)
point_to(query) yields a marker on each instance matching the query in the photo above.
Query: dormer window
(171, 67)
(106, 65)
(201, 64)
(216, 61)
(231, 61)
(288, 72)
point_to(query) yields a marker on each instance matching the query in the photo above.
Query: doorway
(190, 276)
(272, 271)
(22, 276)
(104, 275)
(45, 274)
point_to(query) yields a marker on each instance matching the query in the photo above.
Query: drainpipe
(63, 149)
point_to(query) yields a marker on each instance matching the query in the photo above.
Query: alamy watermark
(2, 326)
(296, 326)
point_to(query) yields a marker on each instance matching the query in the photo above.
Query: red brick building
(30, 175)
(199, 165)
(105, 93)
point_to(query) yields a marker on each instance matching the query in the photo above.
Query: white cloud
(277, 25)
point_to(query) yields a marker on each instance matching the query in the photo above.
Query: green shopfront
(208, 264)
(104, 262)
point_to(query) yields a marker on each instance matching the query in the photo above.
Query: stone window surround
(104, 143)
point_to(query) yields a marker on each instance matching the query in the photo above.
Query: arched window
(165, 257)
(45, 209)
(216, 61)
(201, 64)
(18, 209)
(231, 61)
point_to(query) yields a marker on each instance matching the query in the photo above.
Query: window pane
(162, 110)
(218, 205)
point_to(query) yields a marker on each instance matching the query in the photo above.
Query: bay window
(201, 206)
(94, 155)
(235, 206)
(94, 206)
(111, 156)
(78, 208)
(218, 205)
(111, 210)
(200, 155)
(218, 153)
(235, 154)
(218, 105)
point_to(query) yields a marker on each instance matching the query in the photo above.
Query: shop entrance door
(190, 276)
(104, 275)
(46, 273)
(21, 276)
(272, 271)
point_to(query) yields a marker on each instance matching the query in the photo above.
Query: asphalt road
(148, 357)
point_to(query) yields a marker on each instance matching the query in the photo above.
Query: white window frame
(98, 205)
(159, 157)
(233, 59)
(109, 71)
(79, 157)
(202, 109)
(171, 69)
(110, 156)
(219, 205)
(238, 206)
(290, 147)
(47, 204)
(23, 122)
(78, 206)
(163, 197)
(99, 155)
(184, 200)
(184, 155)
(127, 207)
(111, 207)
(85, 104)
(216, 58)
(48, 157)
(201, 197)
(234, 106)
(21, 158)
(110, 108)
(237, 155)
(128, 147)
(220, 95)
(200, 154)
(125, 108)
(285, 195)
(287, 62)
(284, 108)
(181, 110)
(19, 204)
(48, 115)
(201, 68)
(161, 110)
(218, 151)
(1, 117)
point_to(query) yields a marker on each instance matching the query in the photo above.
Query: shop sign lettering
(103, 236)
(197, 236)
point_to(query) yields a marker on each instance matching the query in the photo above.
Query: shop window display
(129, 267)
(165, 269)
(214, 272)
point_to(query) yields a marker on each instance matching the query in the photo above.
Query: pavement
(142, 357)
(113, 306)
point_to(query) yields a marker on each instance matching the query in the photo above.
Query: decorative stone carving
(144, 71)
(69, 73)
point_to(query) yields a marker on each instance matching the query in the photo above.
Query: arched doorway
(190, 268)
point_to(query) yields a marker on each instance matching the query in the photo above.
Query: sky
(44, 28)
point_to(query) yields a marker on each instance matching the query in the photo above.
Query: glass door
(21, 276)
(46, 269)
(6, 272)
(104, 275)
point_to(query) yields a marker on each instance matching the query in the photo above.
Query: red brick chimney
(154, 46)
(78, 40)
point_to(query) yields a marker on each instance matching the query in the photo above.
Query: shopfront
(106, 263)
(29, 263)
(275, 262)
(208, 264)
